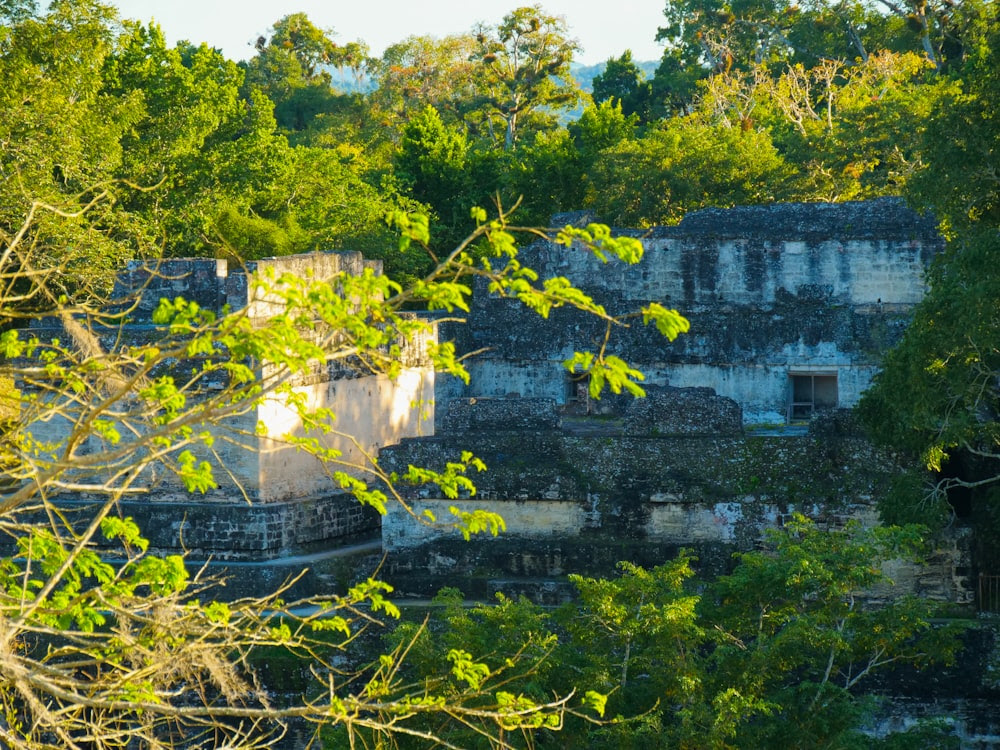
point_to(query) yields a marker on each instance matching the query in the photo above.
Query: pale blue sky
(604, 29)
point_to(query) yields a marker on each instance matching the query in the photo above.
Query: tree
(944, 29)
(422, 72)
(680, 165)
(233, 184)
(765, 657)
(552, 172)
(112, 654)
(947, 360)
(17, 10)
(432, 163)
(706, 38)
(947, 363)
(211, 150)
(851, 131)
(623, 82)
(60, 141)
(291, 69)
(795, 639)
(524, 69)
(960, 145)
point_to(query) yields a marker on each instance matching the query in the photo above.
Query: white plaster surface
(669, 521)
(743, 272)
(371, 412)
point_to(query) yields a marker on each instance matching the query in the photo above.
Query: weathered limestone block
(519, 414)
(836, 423)
(692, 412)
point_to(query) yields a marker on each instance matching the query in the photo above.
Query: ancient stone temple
(274, 503)
(746, 417)
(792, 307)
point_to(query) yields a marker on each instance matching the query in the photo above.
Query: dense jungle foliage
(115, 145)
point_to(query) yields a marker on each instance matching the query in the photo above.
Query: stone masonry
(777, 296)
(745, 420)
(791, 309)
(272, 499)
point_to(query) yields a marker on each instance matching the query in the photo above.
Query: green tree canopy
(292, 69)
(61, 143)
(683, 164)
(623, 82)
(524, 69)
(765, 657)
(947, 362)
(423, 71)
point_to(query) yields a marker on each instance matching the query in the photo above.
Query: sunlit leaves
(411, 228)
(670, 323)
(163, 575)
(125, 529)
(598, 239)
(606, 371)
(446, 360)
(373, 498)
(501, 243)
(521, 712)
(453, 481)
(373, 592)
(442, 295)
(465, 669)
(477, 521)
(595, 701)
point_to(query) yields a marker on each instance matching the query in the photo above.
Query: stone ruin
(746, 418)
(791, 308)
(274, 503)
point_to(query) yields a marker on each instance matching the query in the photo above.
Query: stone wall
(472, 415)
(272, 498)
(858, 253)
(643, 486)
(231, 531)
(579, 501)
(676, 471)
(689, 412)
(770, 292)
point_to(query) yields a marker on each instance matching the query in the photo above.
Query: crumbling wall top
(517, 414)
(214, 282)
(687, 412)
(878, 219)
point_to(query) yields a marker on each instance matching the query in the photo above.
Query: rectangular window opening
(578, 392)
(809, 393)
